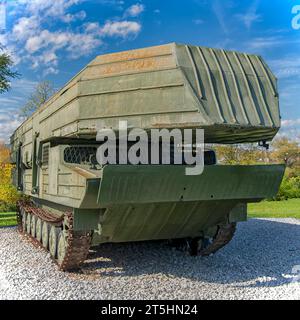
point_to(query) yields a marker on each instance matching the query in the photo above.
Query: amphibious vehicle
(72, 202)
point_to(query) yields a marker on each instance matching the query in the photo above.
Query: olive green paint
(233, 96)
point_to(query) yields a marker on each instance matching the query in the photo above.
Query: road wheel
(53, 241)
(38, 229)
(61, 248)
(33, 226)
(45, 235)
(28, 223)
(24, 216)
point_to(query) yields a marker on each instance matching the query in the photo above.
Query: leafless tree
(41, 94)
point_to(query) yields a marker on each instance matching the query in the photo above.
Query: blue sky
(53, 40)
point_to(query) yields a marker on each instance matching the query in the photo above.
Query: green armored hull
(75, 203)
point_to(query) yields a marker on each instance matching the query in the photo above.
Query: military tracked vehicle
(73, 203)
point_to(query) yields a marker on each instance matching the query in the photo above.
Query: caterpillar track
(207, 246)
(222, 237)
(67, 247)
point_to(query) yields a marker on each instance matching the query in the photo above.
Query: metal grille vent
(45, 155)
(79, 154)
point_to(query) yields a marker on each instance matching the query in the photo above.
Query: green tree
(286, 150)
(244, 154)
(6, 73)
(4, 153)
(43, 91)
(8, 193)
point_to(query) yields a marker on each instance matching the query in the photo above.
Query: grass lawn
(275, 209)
(7, 219)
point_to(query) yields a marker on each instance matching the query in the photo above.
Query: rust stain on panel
(134, 54)
(130, 66)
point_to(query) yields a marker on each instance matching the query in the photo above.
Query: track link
(77, 243)
(223, 236)
(203, 246)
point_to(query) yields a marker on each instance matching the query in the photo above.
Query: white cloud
(7, 127)
(92, 27)
(135, 10)
(198, 21)
(218, 10)
(14, 101)
(10, 49)
(3, 39)
(37, 42)
(49, 57)
(9, 121)
(21, 87)
(260, 44)
(118, 4)
(42, 46)
(120, 28)
(77, 44)
(25, 27)
(10, 103)
(50, 70)
(81, 15)
(249, 17)
(266, 42)
(292, 133)
(290, 123)
(286, 66)
(50, 8)
(29, 34)
(82, 44)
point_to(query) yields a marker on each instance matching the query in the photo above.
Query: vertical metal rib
(235, 82)
(210, 83)
(195, 72)
(226, 93)
(119, 227)
(146, 217)
(187, 219)
(167, 219)
(266, 75)
(247, 86)
(260, 90)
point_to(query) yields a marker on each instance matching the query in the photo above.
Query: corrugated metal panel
(233, 96)
(160, 202)
(233, 88)
(162, 220)
(163, 183)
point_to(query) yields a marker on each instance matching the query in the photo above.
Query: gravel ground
(260, 263)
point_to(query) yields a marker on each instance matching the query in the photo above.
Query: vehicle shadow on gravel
(262, 250)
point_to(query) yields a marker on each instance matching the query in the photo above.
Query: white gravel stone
(259, 263)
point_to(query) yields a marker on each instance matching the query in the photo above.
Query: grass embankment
(275, 209)
(8, 219)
